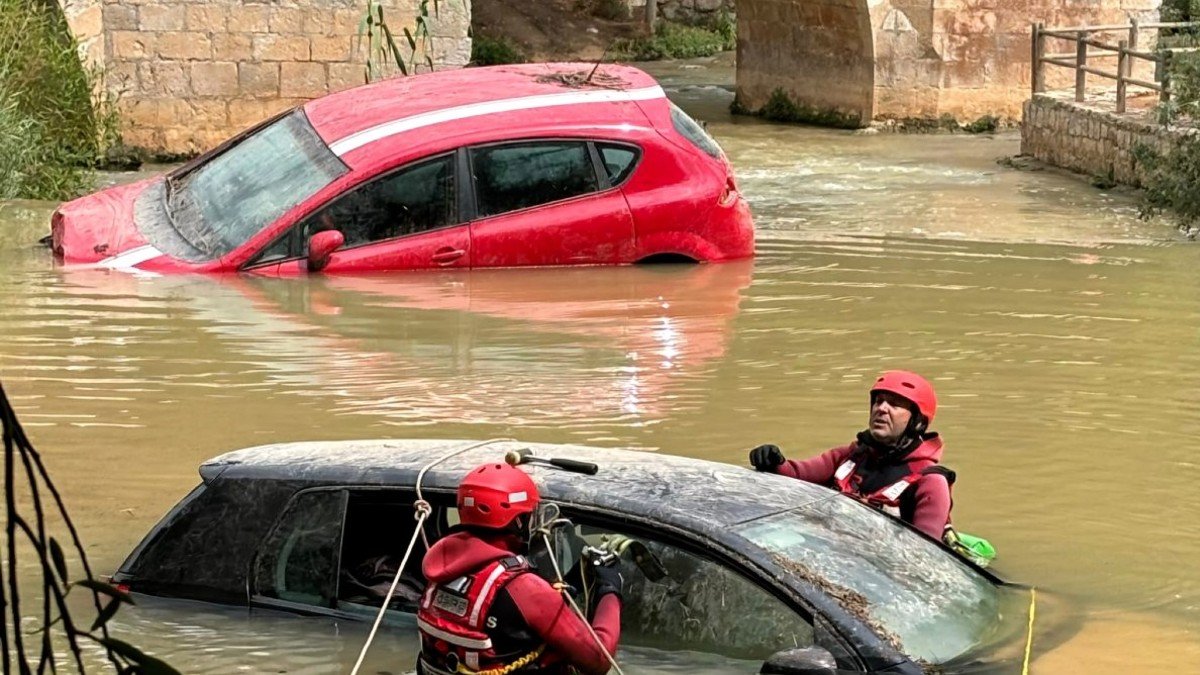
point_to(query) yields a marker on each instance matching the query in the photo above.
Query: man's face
(890, 414)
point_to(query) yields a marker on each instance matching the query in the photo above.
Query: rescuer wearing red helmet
(892, 465)
(483, 609)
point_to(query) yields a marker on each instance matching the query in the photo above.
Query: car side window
(674, 597)
(619, 161)
(298, 562)
(520, 175)
(691, 130)
(380, 523)
(412, 200)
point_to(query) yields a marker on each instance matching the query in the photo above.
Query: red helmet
(495, 493)
(912, 387)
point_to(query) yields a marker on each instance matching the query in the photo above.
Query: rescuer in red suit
(893, 465)
(485, 610)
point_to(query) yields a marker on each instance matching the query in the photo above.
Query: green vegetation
(679, 41)
(55, 125)
(384, 56)
(781, 108)
(33, 510)
(489, 51)
(1170, 176)
(986, 124)
(1171, 181)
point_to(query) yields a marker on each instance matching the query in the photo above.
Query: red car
(484, 167)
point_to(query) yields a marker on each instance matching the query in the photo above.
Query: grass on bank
(679, 41)
(494, 51)
(53, 128)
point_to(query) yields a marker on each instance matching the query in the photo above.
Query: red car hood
(98, 226)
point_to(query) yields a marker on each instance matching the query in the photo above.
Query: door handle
(447, 255)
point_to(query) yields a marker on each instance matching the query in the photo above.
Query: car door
(407, 219)
(546, 202)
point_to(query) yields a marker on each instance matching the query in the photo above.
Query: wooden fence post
(1133, 33)
(651, 15)
(1080, 61)
(1122, 73)
(1165, 80)
(1037, 49)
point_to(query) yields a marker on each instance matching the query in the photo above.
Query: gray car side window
(516, 176)
(299, 560)
(619, 161)
(700, 604)
(417, 198)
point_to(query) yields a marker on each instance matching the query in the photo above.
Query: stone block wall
(1090, 137)
(702, 12)
(85, 18)
(189, 73)
(819, 52)
(972, 57)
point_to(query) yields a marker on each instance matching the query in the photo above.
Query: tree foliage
(31, 527)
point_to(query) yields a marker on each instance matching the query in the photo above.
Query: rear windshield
(219, 205)
(691, 130)
(938, 606)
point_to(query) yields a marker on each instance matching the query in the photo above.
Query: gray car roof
(693, 493)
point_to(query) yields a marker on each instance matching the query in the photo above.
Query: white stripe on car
(398, 126)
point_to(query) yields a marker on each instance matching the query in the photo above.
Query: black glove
(608, 580)
(766, 457)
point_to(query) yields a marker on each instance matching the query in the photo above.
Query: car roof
(349, 119)
(695, 494)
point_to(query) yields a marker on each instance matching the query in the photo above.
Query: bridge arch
(848, 62)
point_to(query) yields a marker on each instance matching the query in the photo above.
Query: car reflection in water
(530, 347)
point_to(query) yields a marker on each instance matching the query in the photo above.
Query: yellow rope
(1029, 639)
(505, 670)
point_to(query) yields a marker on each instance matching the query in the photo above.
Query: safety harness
(886, 487)
(453, 622)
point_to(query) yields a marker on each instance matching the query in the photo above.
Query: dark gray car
(757, 567)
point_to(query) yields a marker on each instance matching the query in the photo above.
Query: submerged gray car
(765, 570)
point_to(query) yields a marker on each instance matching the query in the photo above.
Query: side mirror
(805, 661)
(322, 245)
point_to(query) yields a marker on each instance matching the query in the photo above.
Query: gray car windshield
(936, 605)
(219, 205)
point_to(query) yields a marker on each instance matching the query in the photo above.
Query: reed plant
(55, 120)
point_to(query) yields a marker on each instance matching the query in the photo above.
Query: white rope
(423, 510)
(579, 612)
(547, 524)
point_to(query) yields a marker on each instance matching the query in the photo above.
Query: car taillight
(56, 232)
(122, 586)
(730, 192)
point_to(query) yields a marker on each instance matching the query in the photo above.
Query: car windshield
(936, 605)
(219, 205)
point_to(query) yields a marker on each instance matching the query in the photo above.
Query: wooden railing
(1126, 51)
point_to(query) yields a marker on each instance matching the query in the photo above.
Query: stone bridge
(191, 72)
(852, 61)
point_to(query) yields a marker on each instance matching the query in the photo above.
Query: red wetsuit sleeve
(932, 511)
(547, 613)
(819, 469)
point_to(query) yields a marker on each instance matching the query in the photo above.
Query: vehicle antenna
(598, 62)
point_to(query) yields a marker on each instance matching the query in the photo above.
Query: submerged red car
(535, 164)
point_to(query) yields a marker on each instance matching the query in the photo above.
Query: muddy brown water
(1059, 330)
